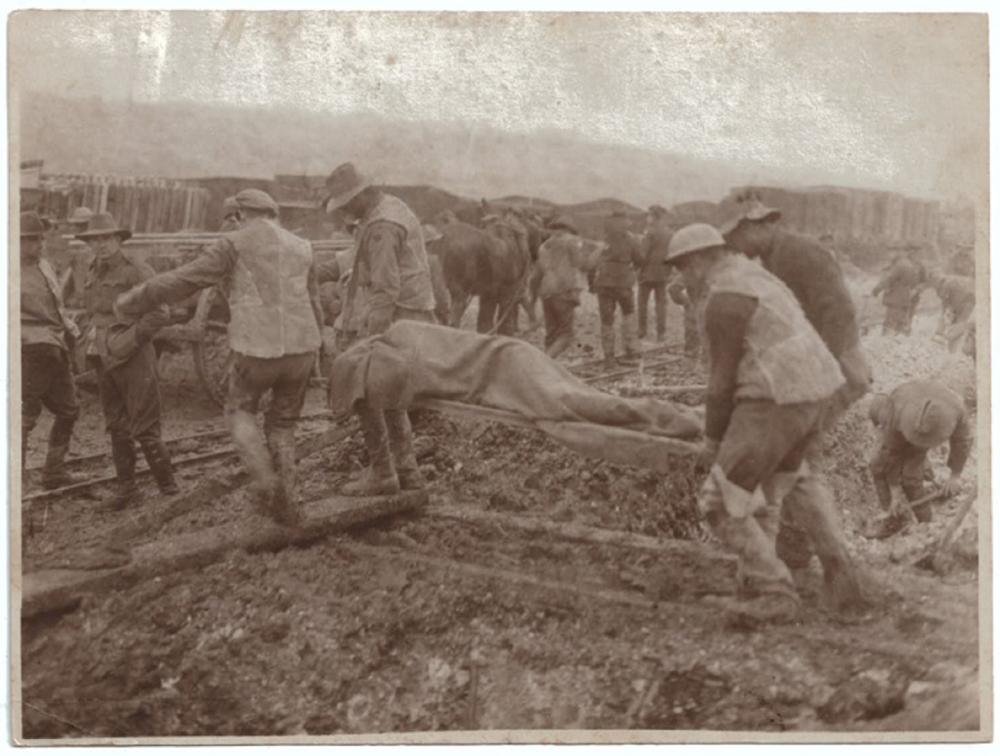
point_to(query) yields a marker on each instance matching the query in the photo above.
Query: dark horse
(493, 263)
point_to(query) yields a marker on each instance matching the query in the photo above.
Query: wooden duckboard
(59, 589)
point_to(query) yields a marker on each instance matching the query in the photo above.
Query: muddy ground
(575, 594)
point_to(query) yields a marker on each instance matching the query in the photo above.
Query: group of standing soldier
(568, 264)
(120, 351)
(905, 280)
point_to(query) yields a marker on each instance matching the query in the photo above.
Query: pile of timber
(141, 204)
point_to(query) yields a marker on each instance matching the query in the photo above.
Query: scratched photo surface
(425, 377)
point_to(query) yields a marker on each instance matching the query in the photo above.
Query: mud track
(537, 590)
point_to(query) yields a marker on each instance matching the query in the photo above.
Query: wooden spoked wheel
(213, 358)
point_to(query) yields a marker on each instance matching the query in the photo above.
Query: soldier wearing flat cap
(390, 280)
(47, 335)
(121, 350)
(274, 330)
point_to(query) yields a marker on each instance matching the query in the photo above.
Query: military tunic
(897, 460)
(46, 380)
(275, 312)
(770, 376)
(896, 288)
(122, 350)
(653, 277)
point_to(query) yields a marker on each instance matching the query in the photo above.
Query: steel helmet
(693, 238)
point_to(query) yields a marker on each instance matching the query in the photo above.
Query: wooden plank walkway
(51, 590)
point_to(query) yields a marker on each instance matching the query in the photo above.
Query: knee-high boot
(158, 459)
(401, 445)
(123, 456)
(54, 474)
(380, 478)
(286, 510)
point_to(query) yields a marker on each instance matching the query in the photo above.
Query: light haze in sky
(897, 101)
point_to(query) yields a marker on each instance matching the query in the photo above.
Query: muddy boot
(401, 445)
(923, 512)
(793, 546)
(126, 490)
(753, 613)
(630, 341)
(379, 479)
(608, 346)
(158, 459)
(285, 505)
(249, 442)
(886, 527)
(54, 474)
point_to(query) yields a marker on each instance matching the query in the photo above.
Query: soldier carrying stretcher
(770, 381)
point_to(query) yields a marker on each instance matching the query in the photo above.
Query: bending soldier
(770, 380)
(958, 302)
(274, 330)
(916, 417)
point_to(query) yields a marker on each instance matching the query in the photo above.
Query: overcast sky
(895, 100)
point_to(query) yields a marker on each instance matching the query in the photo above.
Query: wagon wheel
(212, 357)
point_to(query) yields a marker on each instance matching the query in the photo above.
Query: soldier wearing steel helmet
(770, 377)
(274, 329)
(915, 418)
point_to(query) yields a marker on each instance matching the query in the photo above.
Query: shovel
(906, 509)
(929, 560)
(909, 506)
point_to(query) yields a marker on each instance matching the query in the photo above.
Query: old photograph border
(986, 566)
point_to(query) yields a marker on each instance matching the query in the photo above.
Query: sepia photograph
(499, 377)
